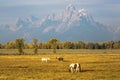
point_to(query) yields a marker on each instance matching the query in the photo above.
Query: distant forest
(57, 44)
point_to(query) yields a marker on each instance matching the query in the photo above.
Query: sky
(103, 11)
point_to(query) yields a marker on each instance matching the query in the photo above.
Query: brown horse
(60, 58)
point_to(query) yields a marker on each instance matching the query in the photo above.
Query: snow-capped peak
(83, 12)
(70, 7)
(65, 19)
(51, 17)
(70, 24)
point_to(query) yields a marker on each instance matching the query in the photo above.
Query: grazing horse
(74, 67)
(45, 59)
(60, 58)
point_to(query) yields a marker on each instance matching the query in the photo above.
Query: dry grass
(29, 67)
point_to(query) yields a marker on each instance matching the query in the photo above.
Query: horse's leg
(76, 69)
(80, 69)
(72, 70)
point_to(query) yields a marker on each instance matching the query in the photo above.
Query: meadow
(96, 65)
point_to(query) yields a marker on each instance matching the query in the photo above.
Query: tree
(28, 46)
(20, 45)
(109, 44)
(53, 42)
(69, 45)
(90, 45)
(11, 45)
(96, 45)
(1, 46)
(116, 45)
(35, 45)
(81, 45)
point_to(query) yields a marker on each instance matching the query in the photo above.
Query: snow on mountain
(70, 24)
(117, 30)
(117, 33)
(64, 21)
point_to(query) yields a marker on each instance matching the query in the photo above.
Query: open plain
(95, 64)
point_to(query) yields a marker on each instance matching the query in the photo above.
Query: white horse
(45, 59)
(74, 67)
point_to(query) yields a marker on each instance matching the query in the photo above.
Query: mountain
(71, 24)
(116, 33)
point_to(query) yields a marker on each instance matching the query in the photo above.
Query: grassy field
(96, 65)
(50, 51)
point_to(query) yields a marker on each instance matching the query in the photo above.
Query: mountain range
(71, 24)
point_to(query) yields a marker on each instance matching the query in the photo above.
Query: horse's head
(69, 69)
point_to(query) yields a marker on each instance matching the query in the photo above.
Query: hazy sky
(104, 11)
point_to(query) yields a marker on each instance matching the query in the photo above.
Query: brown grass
(29, 67)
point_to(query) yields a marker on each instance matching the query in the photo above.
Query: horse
(45, 59)
(60, 58)
(74, 67)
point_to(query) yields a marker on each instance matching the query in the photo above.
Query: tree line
(60, 45)
(57, 44)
